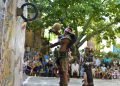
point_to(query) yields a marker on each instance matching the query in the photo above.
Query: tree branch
(84, 28)
(103, 1)
(95, 33)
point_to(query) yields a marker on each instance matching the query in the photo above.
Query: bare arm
(55, 32)
(55, 44)
(64, 43)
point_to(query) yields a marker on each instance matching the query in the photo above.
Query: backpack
(73, 40)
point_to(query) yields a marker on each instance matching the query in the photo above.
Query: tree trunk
(34, 39)
(76, 33)
(12, 49)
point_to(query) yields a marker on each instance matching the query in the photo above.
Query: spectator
(97, 62)
(93, 71)
(49, 67)
(115, 74)
(107, 61)
(29, 68)
(75, 68)
(103, 69)
(46, 59)
(37, 64)
(81, 60)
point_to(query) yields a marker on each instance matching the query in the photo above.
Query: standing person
(65, 41)
(88, 62)
(81, 60)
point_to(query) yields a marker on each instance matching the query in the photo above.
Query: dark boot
(61, 84)
(91, 84)
(84, 85)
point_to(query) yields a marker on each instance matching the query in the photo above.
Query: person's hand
(56, 32)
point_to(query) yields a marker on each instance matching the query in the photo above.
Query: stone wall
(12, 33)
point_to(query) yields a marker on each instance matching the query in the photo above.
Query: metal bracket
(19, 12)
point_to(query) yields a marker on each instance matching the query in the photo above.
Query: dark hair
(70, 28)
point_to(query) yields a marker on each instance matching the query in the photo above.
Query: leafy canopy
(96, 17)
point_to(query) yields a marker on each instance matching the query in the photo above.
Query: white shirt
(75, 66)
(81, 58)
(97, 62)
(103, 69)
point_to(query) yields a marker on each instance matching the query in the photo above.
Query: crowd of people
(63, 63)
(106, 68)
(36, 64)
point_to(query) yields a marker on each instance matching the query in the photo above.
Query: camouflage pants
(63, 70)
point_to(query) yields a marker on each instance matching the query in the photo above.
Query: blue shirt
(107, 60)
